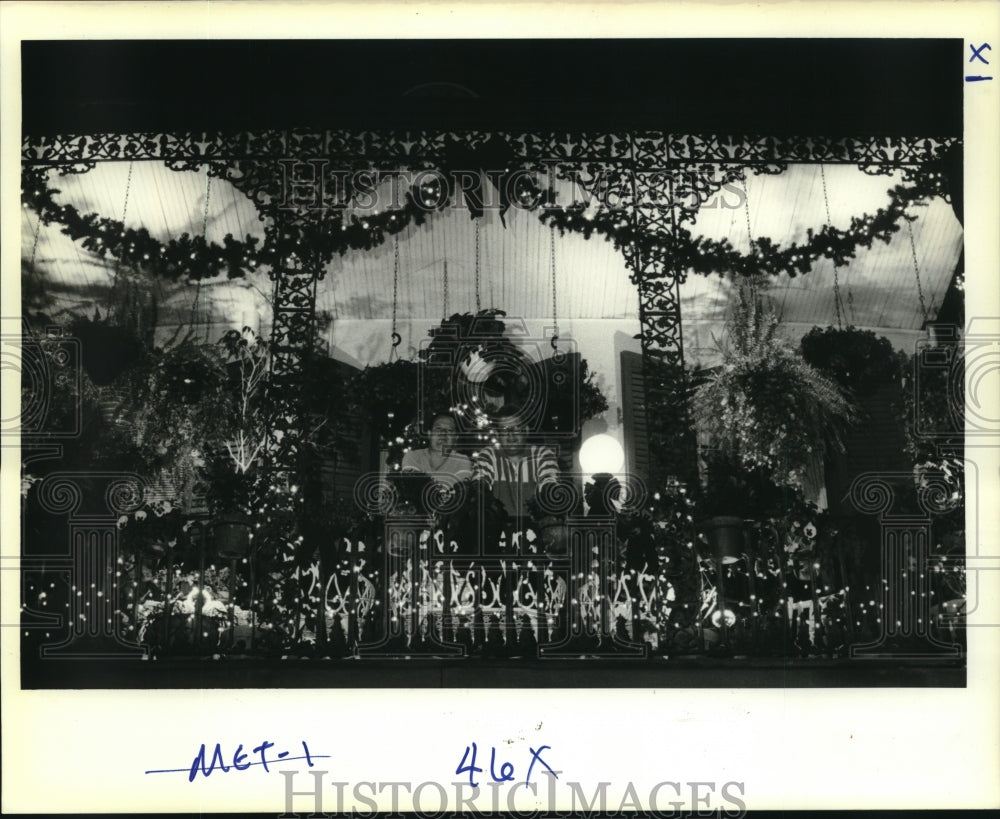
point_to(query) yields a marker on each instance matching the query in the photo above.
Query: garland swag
(193, 258)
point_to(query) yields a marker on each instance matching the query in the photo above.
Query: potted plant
(767, 415)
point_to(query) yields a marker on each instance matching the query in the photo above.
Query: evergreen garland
(706, 257)
(193, 258)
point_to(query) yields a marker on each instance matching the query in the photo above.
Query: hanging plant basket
(231, 535)
(858, 360)
(106, 350)
(110, 404)
(764, 408)
(724, 534)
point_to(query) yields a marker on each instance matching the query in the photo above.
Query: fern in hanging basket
(857, 359)
(107, 349)
(766, 411)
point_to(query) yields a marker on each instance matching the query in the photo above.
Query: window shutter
(635, 415)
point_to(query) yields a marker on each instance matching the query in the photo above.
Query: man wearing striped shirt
(515, 470)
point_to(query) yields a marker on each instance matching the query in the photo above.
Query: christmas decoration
(705, 257)
(287, 585)
(192, 258)
(398, 397)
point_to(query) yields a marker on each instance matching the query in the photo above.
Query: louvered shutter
(635, 415)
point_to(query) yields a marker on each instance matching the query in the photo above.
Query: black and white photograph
(474, 362)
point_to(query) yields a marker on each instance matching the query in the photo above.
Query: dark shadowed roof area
(822, 86)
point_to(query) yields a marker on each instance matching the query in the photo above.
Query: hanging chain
(837, 301)
(552, 265)
(128, 187)
(204, 236)
(757, 276)
(34, 244)
(118, 256)
(478, 306)
(445, 289)
(396, 338)
(208, 192)
(31, 265)
(916, 270)
(34, 250)
(746, 210)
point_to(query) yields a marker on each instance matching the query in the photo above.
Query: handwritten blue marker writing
(506, 768)
(977, 54)
(240, 758)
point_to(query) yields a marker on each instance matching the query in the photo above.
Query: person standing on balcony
(515, 470)
(439, 460)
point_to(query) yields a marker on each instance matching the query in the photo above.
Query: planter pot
(231, 535)
(725, 537)
(110, 402)
(554, 535)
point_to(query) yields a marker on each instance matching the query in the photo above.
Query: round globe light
(601, 453)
